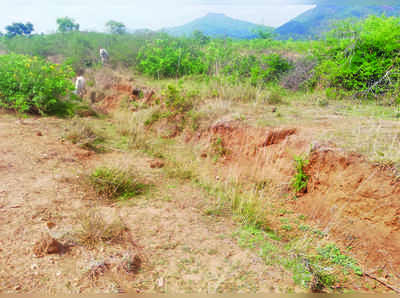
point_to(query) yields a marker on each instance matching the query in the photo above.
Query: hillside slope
(217, 25)
(320, 19)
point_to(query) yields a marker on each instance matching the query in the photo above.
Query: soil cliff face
(355, 200)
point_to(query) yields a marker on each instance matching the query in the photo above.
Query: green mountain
(217, 25)
(315, 22)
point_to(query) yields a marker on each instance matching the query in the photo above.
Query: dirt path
(181, 249)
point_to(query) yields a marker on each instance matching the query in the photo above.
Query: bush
(360, 60)
(30, 84)
(170, 57)
(176, 101)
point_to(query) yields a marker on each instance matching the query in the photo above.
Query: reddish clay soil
(178, 248)
(356, 201)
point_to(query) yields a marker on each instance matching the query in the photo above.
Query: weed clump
(333, 254)
(115, 184)
(219, 149)
(300, 179)
(320, 279)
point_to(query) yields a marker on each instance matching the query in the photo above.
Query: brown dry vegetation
(219, 214)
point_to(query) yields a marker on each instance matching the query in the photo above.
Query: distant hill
(217, 25)
(320, 19)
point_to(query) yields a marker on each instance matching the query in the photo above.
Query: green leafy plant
(364, 59)
(333, 254)
(170, 57)
(176, 101)
(300, 179)
(31, 84)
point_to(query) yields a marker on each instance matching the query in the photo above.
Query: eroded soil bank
(354, 199)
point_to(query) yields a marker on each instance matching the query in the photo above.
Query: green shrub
(176, 101)
(300, 180)
(361, 60)
(30, 84)
(170, 57)
(115, 184)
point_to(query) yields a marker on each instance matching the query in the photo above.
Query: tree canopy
(19, 29)
(115, 27)
(67, 24)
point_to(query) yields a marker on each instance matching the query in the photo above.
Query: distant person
(80, 87)
(103, 56)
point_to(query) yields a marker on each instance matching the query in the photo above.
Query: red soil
(355, 200)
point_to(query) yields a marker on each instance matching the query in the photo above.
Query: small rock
(157, 164)
(47, 245)
(34, 267)
(54, 247)
(50, 224)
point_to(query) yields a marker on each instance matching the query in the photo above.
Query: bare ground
(181, 249)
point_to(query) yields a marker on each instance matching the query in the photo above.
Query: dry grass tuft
(84, 135)
(94, 229)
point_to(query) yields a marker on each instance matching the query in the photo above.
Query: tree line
(64, 25)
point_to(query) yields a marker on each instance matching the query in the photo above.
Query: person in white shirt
(80, 87)
(103, 56)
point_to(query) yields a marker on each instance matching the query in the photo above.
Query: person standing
(104, 56)
(80, 85)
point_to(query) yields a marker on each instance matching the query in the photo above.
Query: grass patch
(115, 184)
(85, 136)
(306, 270)
(94, 230)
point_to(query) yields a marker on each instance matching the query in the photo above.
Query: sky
(139, 14)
